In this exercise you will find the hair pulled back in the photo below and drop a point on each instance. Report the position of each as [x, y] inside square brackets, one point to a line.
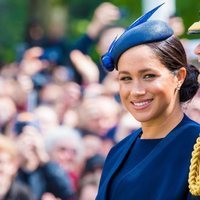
[172, 54]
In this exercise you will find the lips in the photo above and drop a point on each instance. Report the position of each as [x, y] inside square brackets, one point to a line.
[140, 105]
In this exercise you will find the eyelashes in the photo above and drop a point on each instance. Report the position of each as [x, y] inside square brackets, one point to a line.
[145, 77]
[149, 76]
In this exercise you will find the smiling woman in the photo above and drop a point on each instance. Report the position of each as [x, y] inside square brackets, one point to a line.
[148, 89]
[155, 78]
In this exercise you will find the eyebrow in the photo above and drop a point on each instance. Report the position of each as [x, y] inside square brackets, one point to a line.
[140, 71]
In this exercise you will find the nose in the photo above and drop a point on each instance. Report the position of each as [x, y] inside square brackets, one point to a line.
[137, 89]
[197, 50]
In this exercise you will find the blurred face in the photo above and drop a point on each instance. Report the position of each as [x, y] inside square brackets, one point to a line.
[197, 51]
[65, 153]
[99, 119]
[176, 23]
[92, 145]
[8, 168]
[6, 164]
[193, 110]
[7, 110]
[107, 37]
[88, 192]
[147, 87]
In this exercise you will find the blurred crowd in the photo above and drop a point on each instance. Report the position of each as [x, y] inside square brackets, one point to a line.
[60, 113]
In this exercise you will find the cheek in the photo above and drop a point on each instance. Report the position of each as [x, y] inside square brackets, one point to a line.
[158, 86]
[165, 89]
[124, 92]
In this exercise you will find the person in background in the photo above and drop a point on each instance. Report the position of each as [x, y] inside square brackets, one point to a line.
[88, 188]
[91, 71]
[99, 119]
[177, 25]
[93, 167]
[64, 146]
[56, 47]
[8, 112]
[36, 170]
[93, 145]
[195, 29]
[194, 112]
[10, 188]
[47, 118]
[105, 37]
[192, 108]
[154, 80]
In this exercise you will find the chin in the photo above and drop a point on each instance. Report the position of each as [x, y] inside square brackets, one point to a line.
[142, 117]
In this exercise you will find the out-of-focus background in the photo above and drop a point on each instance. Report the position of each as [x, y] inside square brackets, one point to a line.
[73, 16]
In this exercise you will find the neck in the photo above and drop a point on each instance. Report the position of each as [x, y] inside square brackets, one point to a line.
[160, 128]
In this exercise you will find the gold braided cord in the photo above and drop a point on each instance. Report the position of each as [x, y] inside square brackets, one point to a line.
[194, 174]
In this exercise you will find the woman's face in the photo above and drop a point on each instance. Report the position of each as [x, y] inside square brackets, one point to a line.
[147, 87]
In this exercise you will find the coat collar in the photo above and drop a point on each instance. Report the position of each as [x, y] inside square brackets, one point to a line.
[104, 187]
[120, 157]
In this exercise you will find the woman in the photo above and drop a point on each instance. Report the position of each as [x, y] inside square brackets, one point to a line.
[153, 162]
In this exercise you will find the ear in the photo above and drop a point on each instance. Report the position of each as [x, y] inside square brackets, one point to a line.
[181, 74]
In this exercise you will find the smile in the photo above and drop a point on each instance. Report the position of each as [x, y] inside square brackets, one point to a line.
[142, 104]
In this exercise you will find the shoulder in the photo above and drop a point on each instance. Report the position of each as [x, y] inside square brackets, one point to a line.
[57, 180]
[19, 190]
[189, 127]
[191, 122]
[186, 133]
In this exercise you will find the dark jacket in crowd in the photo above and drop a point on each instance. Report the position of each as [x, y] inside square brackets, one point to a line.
[19, 191]
[49, 178]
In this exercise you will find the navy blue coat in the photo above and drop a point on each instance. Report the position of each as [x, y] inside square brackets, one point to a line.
[161, 175]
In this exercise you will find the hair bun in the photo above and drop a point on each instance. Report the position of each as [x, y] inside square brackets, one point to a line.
[190, 85]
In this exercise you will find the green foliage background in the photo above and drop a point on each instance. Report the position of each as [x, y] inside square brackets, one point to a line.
[14, 15]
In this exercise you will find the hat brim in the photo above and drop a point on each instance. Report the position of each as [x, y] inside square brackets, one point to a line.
[194, 32]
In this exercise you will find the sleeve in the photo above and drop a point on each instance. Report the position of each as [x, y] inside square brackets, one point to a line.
[21, 191]
[84, 44]
[58, 182]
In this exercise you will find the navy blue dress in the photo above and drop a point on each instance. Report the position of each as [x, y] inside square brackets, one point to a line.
[158, 174]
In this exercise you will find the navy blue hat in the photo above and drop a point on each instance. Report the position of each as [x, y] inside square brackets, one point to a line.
[139, 32]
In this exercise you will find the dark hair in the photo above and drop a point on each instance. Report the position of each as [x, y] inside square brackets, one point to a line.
[171, 53]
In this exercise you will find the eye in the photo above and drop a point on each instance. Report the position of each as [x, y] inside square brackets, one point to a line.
[125, 78]
[149, 76]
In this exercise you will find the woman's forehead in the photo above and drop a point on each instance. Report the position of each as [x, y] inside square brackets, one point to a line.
[141, 53]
